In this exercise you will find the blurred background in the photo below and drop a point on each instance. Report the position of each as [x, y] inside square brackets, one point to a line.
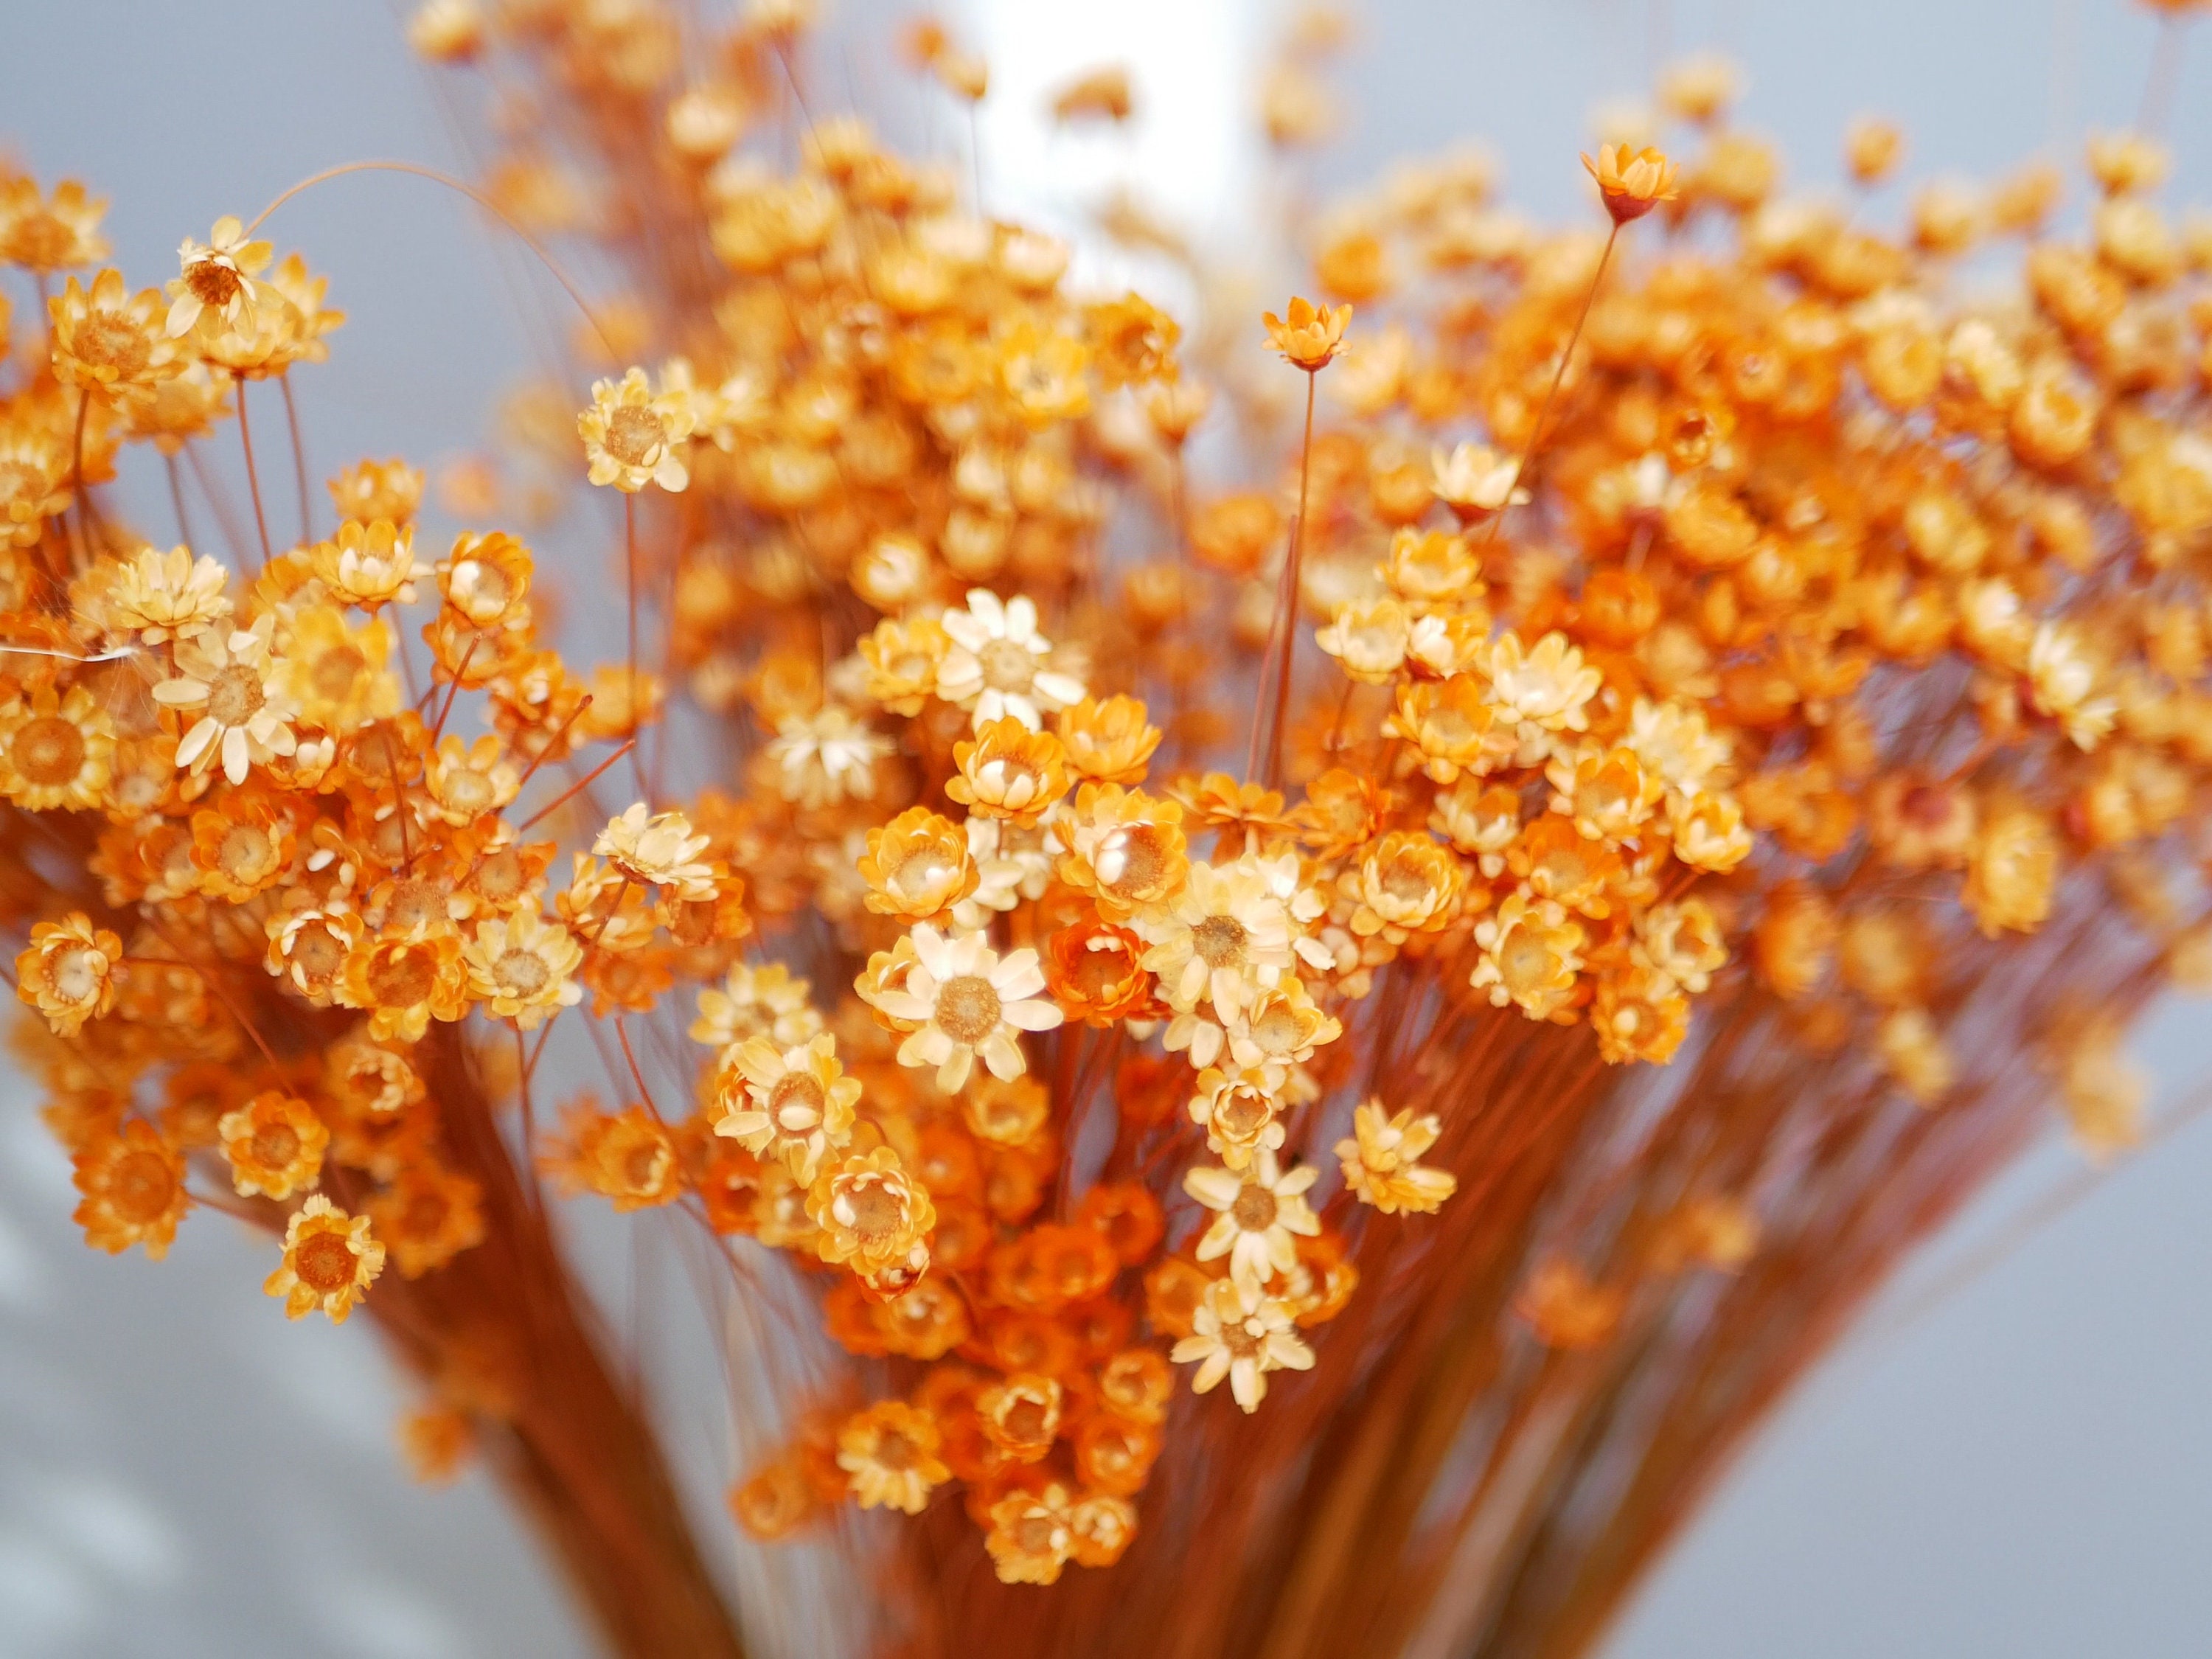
[2012, 1456]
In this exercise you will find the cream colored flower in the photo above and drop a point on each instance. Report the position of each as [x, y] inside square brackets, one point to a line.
[1475, 481]
[217, 284]
[229, 680]
[630, 436]
[998, 664]
[658, 849]
[1240, 1332]
[159, 596]
[1382, 1164]
[1257, 1210]
[523, 967]
[827, 756]
[795, 1104]
[766, 1001]
[1230, 931]
[964, 1001]
[2063, 679]
[370, 565]
[1550, 686]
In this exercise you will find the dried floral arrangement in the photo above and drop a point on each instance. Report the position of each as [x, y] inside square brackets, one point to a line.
[1489, 931]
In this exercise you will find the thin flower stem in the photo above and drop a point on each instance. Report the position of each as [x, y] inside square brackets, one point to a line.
[1282, 636]
[299, 460]
[439, 730]
[252, 477]
[474, 195]
[553, 742]
[644, 1094]
[1558, 376]
[2156, 113]
[177, 501]
[629, 567]
[577, 788]
[77, 474]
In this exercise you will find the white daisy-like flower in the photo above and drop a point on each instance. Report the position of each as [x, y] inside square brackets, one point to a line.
[1257, 1210]
[1239, 1332]
[827, 756]
[998, 663]
[1474, 480]
[1231, 930]
[964, 1001]
[229, 679]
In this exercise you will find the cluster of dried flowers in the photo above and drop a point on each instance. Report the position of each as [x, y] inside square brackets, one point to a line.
[1738, 614]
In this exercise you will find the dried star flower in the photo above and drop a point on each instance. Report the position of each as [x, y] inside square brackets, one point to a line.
[631, 435]
[132, 1185]
[873, 1215]
[1009, 772]
[228, 680]
[795, 1104]
[889, 1453]
[965, 1002]
[219, 287]
[330, 1260]
[1308, 336]
[523, 967]
[111, 343]
[998, 664]
[1632, 182]
[48, 234]
[1257, 1212]
[1031, 1536]
[370, 565]
[1382, 1164]
[917, 866]
[656, 849]
[68, 974]
[274, 1145]
[56, 751]
[1242, 1333]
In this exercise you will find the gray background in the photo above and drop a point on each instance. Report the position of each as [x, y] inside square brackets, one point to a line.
[2024, 1471]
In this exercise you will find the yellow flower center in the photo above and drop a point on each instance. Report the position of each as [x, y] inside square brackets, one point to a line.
[968, 1009]
[1220, 941]
[798, 1103]
[403, 977]
[871, 1209]
[78, 974]
[234, 696]
[634, 436]
[521, 974]
[212, 280]
[106, 340]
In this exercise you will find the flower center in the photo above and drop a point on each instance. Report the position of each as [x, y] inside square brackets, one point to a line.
[520, 973]
[797, 1103]
[212, 280]
[1276, 1031]
[107, 341]
[634, 436]
[1130, 860]
[1254, 1209]
[402, 978]
[316, 955]
[1220, 941]
[1008, 667]
[336, 672]
[470, 791]
[78, 974]
[275, 1146]
[415, 903]
[47, 750]
[325, 1262]
[141, 1187]
[234, 696]
[246, 853]
[922, 870]
[968, 1009]
[894, 1451]
[872, 1209]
